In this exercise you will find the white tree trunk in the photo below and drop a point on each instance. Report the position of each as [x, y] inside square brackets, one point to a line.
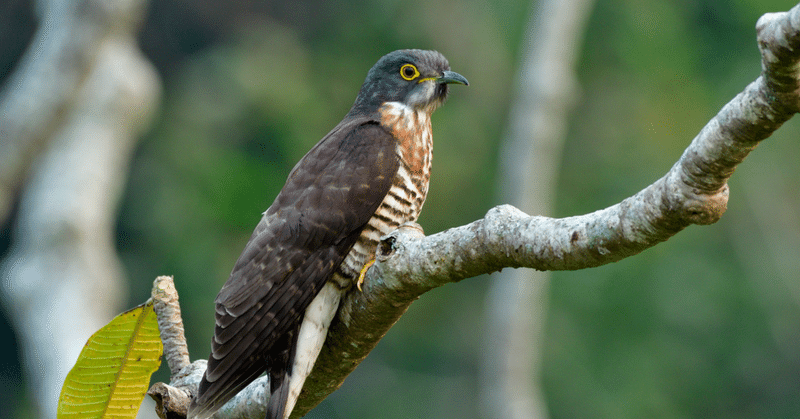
[84, 93]
[516, 308]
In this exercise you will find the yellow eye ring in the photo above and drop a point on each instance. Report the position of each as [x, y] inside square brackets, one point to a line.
[409, 72]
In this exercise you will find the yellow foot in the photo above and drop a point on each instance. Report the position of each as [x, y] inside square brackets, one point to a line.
[363, 273]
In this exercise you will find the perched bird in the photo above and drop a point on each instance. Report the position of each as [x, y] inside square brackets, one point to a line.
[366, 177]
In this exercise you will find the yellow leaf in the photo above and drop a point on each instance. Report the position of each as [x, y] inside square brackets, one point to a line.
[113, 372]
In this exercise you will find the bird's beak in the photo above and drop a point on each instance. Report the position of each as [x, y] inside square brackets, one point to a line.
[449, 77]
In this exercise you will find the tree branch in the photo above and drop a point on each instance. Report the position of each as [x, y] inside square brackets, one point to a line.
[694, 191]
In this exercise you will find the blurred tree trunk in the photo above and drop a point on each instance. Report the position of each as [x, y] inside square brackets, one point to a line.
[70, 117]
[517, 302]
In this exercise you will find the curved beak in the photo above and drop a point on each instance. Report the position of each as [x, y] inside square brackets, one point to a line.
[450, 77]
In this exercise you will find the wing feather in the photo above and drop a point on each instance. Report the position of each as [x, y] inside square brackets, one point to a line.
[302, 238]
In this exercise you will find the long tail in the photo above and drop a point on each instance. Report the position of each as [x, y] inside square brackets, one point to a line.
[280, 376]
[278, 396]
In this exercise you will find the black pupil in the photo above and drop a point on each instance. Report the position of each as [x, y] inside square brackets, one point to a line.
[408, 71]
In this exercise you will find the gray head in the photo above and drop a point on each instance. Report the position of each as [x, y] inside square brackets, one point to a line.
[414, 77]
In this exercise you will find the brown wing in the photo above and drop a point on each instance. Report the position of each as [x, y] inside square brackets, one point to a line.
[302, 238]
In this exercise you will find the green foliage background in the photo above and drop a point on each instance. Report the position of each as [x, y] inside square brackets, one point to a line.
[702, 326]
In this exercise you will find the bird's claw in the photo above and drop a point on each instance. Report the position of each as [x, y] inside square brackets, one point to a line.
[363, 274]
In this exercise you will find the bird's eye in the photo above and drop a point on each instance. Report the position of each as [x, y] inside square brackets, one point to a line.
[409, 72]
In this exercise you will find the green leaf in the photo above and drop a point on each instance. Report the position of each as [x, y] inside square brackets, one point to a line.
[113, 371]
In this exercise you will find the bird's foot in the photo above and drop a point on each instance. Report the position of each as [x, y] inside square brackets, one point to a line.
[363, 273]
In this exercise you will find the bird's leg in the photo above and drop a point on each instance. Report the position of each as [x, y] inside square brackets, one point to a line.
[363, 273]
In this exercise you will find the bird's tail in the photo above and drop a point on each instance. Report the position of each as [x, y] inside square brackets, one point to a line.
[276, 406]
[280, 375]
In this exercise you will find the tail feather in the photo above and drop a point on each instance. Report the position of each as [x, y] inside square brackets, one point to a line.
[280, 375]
[276, 406]
[211, 396]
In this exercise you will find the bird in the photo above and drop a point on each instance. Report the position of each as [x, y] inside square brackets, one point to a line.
[364, 179]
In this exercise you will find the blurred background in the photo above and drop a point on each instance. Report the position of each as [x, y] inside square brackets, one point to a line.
[705, 325]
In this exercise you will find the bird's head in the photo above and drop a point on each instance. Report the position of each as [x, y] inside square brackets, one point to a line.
[416, 78]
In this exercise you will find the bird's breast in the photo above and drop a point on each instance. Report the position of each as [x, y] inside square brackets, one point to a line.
[403, 203]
